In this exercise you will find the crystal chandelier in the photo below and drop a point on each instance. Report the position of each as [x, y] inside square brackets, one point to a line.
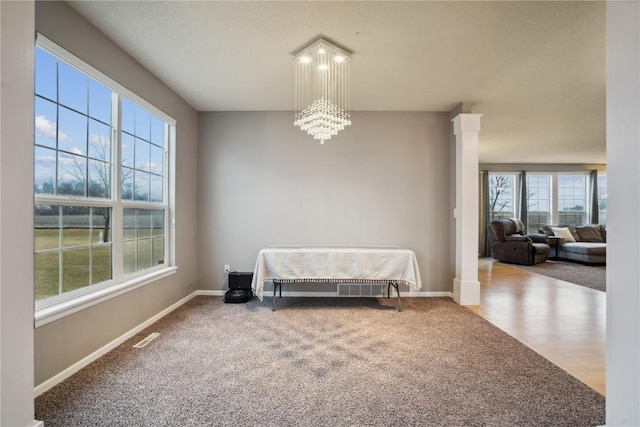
[322, 90]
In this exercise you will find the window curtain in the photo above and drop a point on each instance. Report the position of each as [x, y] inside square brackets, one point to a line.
[593, 184]
[484, 248]
[523, 200]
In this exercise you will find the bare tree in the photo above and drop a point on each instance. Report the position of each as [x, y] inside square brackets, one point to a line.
[93, 177]
[498, 184]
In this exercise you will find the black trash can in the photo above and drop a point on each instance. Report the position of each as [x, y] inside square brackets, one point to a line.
[239, 287]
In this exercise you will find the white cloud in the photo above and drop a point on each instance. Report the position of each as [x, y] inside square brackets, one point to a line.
[46, 128]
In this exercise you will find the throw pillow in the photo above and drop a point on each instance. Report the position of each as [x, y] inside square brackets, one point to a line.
[590, 233]
[564, 233]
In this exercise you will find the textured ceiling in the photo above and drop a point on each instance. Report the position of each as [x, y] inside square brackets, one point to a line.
[535, 70]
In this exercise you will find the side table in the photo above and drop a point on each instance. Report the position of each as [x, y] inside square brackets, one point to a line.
[553, 246]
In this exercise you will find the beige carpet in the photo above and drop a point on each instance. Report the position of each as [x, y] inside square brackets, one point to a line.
[322, 362]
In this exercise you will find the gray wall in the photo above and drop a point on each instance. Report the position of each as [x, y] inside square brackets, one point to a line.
[383, 181]
[60, 344]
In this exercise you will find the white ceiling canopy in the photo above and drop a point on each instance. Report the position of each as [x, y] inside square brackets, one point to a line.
[535, 70]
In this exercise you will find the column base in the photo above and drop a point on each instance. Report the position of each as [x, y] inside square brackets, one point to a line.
[466, 292]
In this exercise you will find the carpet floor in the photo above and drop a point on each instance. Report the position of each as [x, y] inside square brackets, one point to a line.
[322, 362]
[590, 276]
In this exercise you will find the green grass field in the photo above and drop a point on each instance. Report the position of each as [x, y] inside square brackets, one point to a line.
[88, 264]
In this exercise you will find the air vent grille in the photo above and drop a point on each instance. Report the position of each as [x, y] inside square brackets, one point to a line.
[147, 340]
[361, 290]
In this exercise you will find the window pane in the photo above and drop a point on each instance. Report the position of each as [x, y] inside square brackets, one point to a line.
[155, 194]
[72, 88]
[158, 222]
[501, 194]
[158, 250]
[127, 149]
[71, 174]
[145, 254]
[99, 102]
[538, 202]
[99, 179]
[45, 74]
[602, 199]
[144, 223]
[142, 155]
[130, 257]
[75, 226]
[75, 271]
[101, 263]
[127, 184]
[143, 124]
[100, 225]
[141, 186]
[128, 114]
[45, 122]
[72, 131]
[572, 199]
[46, 219]
[129, 224]
[99, 141]
[44, 170]
[47, 275]
[157, 131]
[156, 164]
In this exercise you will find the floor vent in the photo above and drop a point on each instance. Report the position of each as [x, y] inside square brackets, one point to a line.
[361, 290]
[147, 340]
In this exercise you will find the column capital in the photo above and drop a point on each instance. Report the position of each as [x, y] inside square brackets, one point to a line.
[466, 123]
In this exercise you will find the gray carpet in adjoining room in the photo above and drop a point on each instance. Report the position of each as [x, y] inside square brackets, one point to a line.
[590, 276]
[322, 362]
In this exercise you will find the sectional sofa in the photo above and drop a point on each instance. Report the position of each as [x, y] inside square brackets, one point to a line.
[584, 243]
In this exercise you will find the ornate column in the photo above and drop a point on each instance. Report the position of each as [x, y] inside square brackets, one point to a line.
[466, 287]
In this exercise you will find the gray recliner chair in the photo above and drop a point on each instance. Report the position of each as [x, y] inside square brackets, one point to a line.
[509, 243]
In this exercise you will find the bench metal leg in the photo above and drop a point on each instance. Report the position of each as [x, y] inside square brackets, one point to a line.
[276, 284]
[397, 288]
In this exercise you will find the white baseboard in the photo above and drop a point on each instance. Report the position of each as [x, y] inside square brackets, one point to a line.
[36, 423]
[58, 378]
[210, 293]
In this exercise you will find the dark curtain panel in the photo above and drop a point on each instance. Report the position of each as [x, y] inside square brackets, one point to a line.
[485, 250]
[593, 184]
[523, 200]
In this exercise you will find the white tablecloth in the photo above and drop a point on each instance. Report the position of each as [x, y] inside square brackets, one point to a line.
[336, 265]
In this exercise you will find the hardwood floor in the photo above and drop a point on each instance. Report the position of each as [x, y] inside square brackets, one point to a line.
[563, 322]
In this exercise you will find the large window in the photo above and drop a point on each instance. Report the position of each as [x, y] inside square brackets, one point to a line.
[538, 202]
[562, 198]
[101, 182]
[602, 199]
[502, 190]
[572, 199]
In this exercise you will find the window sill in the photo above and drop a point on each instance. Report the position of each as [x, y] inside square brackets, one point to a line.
[58, 311]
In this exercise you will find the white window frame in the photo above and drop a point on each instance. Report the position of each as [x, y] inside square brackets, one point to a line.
[51, 309]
